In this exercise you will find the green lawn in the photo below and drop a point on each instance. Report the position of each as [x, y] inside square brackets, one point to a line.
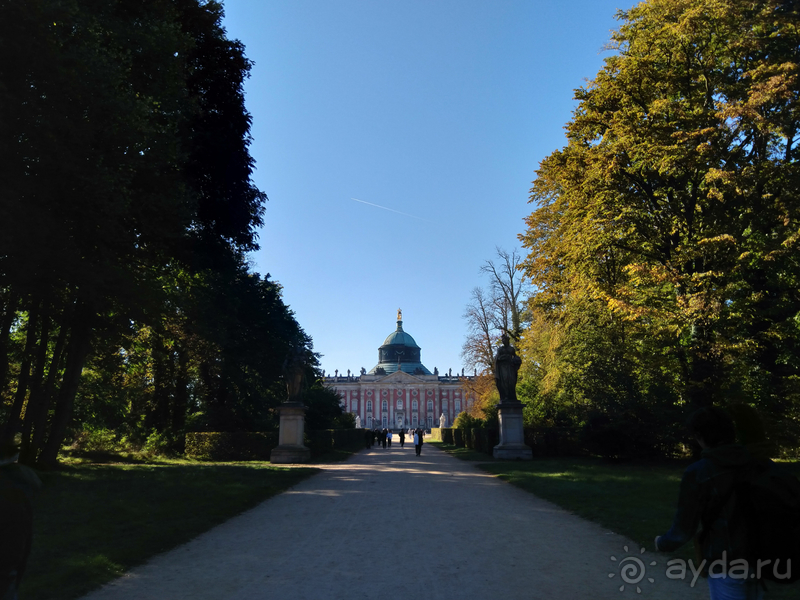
[95, 521]
[635, 499]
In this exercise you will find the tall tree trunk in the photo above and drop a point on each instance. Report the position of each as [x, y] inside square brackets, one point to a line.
[6, 321]
[702, 385]
[13, 421]
[37, 379]
[158, 415]
[39, 421]
[36, 414]
[180, 402]
[77, 351]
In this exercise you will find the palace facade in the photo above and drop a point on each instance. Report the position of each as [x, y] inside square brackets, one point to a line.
[400, 392]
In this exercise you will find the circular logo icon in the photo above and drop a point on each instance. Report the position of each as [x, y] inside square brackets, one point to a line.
[631, 570]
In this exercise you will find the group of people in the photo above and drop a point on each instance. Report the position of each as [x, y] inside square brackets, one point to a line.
[383, 437]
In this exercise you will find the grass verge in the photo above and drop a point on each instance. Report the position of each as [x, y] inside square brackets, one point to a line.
[95, 521]
[635, 499]
[462, 452]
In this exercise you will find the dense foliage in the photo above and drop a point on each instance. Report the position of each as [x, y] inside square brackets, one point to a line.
[126, 300]
[664, 241]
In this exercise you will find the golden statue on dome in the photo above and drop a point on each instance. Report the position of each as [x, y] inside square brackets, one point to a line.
[399, 314]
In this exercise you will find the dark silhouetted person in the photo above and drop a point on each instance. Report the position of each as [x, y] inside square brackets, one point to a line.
[705, 499]
[389, 438]
[402, 435]
[418, 434]
[18, 485]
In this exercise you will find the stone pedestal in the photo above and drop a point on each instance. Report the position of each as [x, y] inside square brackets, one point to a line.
[512, 439]
[290, 440]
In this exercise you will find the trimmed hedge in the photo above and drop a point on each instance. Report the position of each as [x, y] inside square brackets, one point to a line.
[547, 441]
[447, 435]
[326, 440]
[458, 437]
[555, 441]
[483, 440]
[243, 445]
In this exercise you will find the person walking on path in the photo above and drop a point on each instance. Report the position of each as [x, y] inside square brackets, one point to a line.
[368, 438]
[402, 435]
[705, 489]
[418, 441]
[383, 437]
[389, 438]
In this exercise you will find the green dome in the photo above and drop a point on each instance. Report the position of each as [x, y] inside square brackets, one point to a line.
[400, 338]
[400, 352]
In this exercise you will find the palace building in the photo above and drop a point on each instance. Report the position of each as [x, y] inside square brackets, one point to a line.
[400, 392]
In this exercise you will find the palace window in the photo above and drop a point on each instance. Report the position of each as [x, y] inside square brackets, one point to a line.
[384, 406]
[430, 422]
[414, 405]
[369, 406]
[430, 405]
[399, 405]
[458, 406]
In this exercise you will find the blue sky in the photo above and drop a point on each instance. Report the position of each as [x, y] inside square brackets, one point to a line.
[438, 110]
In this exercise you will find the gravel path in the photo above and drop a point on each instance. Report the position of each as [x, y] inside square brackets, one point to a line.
[388, 523]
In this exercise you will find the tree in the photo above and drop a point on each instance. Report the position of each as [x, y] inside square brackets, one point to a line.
[478, 348]
[127, 208]
[672, 211]
[508, 291]
[494, 311]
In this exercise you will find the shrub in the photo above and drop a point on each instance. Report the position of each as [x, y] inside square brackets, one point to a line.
[160, 443]
[464, 421]
[97, 440]
[230, 445]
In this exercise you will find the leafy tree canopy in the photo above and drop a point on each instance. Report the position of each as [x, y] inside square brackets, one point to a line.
[668, 225]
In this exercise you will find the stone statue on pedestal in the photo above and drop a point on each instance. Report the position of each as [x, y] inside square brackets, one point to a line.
[290, 447]
[442, 421]
[506, 365]
[509, 410]
[294, 374]
[358, 422]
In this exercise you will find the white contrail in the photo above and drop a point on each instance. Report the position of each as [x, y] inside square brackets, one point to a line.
[390, 209]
